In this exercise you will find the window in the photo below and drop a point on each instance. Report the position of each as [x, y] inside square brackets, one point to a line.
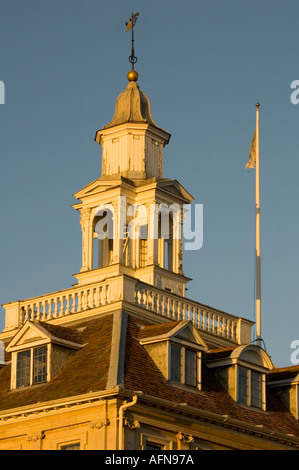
[40, 365]
[31, 367]
[75, 446]
[183, 365]
[175, 362]
[249, 387]
[23, 369]
[142, 246]
[152, 446]
[243, 385]
[256, 389]
[190, 368]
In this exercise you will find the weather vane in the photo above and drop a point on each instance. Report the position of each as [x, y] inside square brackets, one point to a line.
[130, 26]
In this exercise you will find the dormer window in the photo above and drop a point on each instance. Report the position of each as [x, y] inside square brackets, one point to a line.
[176, 348]
[38, 351]
[249, 387]
[31, 367]
[184, 365]
[243, 370]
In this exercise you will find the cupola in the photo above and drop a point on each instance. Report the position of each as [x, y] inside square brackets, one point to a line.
[132, 144]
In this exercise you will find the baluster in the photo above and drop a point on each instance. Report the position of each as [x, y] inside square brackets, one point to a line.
[74, 296]
[33, 313]
[204, 319]
[235, 331]
[79, 308]
[62, 307]
[197, 317]
[209, 320]
[27, 310]
[138, 297]
[155, 301]
[188, 308]
[104, 295]
[67, 307]
[145, 298]
[85, 300]
[179, 310]
[167, 306]
[44, 307]
[97, 297]
[219, 325]
[91, 297]
[201, 318]
[22, 315]
[55, 303]
[214, 323]
[231, 330]
[158, 310]
[151, 300]
[225, 327]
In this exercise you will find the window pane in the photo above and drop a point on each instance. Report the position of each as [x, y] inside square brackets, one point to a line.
[190, 372]
[23, 369]
[242, 385]
[75, 446]
[151, 446]
[40, 365]
[175, 373]
[256, 389]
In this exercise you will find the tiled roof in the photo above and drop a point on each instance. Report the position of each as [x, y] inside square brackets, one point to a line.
[284, 373]
[88, 369]
[156, 330]
[141, 373]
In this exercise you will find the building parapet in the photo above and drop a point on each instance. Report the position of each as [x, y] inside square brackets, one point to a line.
[132, 291]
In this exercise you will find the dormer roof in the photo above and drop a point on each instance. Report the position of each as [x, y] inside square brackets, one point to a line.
[37, 332]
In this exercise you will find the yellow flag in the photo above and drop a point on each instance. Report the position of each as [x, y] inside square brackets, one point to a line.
[252, 155]
[132, 22]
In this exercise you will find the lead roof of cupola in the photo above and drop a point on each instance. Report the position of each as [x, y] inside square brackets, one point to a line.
[132, 105]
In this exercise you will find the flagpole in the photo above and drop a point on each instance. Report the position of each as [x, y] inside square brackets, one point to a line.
[258, 232]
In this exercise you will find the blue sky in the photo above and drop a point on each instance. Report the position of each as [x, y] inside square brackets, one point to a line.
[203, 65]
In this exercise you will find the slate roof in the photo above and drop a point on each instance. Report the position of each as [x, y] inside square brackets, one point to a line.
[141, 373]
[88, 368]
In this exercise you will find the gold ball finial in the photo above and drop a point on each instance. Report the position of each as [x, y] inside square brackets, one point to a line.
[132, 76]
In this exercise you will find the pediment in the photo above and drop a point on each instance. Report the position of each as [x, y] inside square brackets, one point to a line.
[34, 334]
[175, 188]
[97, 186]
[30, 334]
[183, 332]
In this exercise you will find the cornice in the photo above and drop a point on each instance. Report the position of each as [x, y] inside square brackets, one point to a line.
[222, 421]
[64, 404]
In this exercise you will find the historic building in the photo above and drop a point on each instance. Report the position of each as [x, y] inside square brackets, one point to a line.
[123, 360]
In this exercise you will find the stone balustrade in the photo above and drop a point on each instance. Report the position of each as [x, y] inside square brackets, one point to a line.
[180, 308]
[89, 299]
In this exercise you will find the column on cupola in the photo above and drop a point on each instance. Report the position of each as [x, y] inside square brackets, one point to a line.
[119, 224]
[152, 249]
[87, 238]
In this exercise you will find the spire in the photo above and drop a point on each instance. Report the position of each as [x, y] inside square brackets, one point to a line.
[132, 144]
[132, 75]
